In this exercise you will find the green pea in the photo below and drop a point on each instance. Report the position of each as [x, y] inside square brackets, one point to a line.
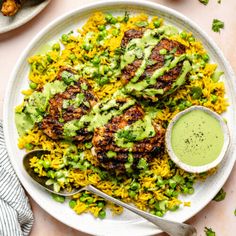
[86, 195]
[29, 146]
[172, 183]
[135, 186]
[33, 85]
[190, 190]
[214, 98]
[72, 57]
[183, 35]
[175, 193]
[160, 182]
[56, 47]
[51, 174]
[159, 213]
[191, 39]
[103, 80]
[157, 23]
[64, 37]
[109, 73]
[86, 164]
[100, 204]
[181, 106]
[152, 212]
[108, 17]
[96, 60]
[151, 201]
[163, 51]
[90, 200]
[169, 192]
[132, 194]
[46, 164]
[49, 59]
[188, 104]
[58, 198]
[205, 57]
[101, 27]
[102, 214]
[72, 203]
[115, 32]
[174, 208]
[40, 162]
[185, 189]
[87, 47]
[82, 198]
[113, 20]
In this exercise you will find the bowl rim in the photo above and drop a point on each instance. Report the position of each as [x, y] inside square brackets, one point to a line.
[202, 168]
[96, 5]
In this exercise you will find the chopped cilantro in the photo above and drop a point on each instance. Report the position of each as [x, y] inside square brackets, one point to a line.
[220, 196]
[205, 2]
[209, 232]
[235, 212]
[126, 17]
[142, 164]
[217, 25]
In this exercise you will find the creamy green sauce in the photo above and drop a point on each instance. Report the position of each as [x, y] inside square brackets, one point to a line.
[197, 138]
[139, 48]
[135, 132]
[36, 106]
[99, 116]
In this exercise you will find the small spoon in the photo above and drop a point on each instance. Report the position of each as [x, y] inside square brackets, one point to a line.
[170, 227]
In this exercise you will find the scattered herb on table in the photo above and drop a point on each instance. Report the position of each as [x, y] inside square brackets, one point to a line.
[205, 2]
[209, 232]
[219, 1]
[220, 196]
[217, 25]
[235, 212]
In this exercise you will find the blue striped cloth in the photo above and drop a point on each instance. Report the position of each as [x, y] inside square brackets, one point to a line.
[16, 218]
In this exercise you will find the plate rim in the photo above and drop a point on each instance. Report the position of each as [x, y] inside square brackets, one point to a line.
[89, 7]
[26, 19]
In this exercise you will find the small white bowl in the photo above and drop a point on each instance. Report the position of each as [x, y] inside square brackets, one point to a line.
[203, 168]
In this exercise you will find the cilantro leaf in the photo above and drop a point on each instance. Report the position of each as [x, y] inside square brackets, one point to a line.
[220, 196]
[217, 25]
[205, 2]
[209, 232]
[235, 212]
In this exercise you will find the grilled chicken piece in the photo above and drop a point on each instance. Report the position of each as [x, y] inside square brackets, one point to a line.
[11, 7]
[104, 140]
[157, 60]
[131, 34]
[72, 104]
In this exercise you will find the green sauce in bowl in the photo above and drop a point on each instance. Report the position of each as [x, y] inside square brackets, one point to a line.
[197, 139]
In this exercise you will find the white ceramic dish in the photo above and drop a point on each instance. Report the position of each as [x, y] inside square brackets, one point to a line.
[127, 223]
[203, 168]
[29, 10]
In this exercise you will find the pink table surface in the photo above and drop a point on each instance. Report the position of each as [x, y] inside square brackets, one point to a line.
[218, 215]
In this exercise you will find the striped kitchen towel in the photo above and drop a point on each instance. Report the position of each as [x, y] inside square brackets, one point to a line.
[16, 218]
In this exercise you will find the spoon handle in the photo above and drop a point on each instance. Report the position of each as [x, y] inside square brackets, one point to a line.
[170, 227]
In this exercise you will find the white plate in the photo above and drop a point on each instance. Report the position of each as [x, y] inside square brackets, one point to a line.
[29, 10]
[127, 223]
